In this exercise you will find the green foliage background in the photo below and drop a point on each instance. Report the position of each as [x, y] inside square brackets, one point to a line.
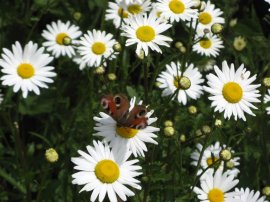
[62, 116]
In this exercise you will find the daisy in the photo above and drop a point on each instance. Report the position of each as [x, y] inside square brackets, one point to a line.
[60, 37]
[188, 84]
[209, 16]
[26, 69]
[267, 99]
[247, 195]
[215, 187]
[176, 10]
[208, 46]
[96, 46]
[145, 31]
[103, 171]
[211, 155]
[130, 138]
[232, 91]
[122, 9]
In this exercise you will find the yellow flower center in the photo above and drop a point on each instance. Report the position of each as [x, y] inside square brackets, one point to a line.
[98, 48]
[232, 92]
[134, 9]
[60, 38]
[107, 171]
[205, 18]
[145, 33]
[25, 70]
[177, 6]
[122, 13]
[182, 82]
[211, 160]
[126, 132]
[216, 195]
[205, 43]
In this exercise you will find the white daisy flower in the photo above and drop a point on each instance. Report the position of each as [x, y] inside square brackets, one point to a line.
[145, 31]
[267, 99]
[211, 155]
[26, 69]
[60, 37]
[121, 9]
[188, 84]
[176, 10]
[247, 195]
[208, 46]
[130, 138]
[103, 171]
[232, 91]
[96, 46]
[209, 16]
[215, 187]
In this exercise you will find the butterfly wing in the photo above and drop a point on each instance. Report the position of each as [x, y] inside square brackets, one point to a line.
[116, 106]
[137, 117]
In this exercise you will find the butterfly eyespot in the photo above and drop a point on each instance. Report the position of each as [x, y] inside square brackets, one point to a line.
[141, 113]
[104, 104]
[117, 101]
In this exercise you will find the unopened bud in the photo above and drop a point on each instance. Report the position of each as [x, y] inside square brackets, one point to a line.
[266, 191]
[169, 131]
[67, 41]
[183, 49]
[117, 47]
[230, 164]
[77, 15]
[225, 155]
[99, 70]
[111, 76]
[218, 123]
[266, 82]
[216, 28]
[192, 110]
[168, 123]
[206, 129]
[178, 44]
[182, 137]
[51, 155]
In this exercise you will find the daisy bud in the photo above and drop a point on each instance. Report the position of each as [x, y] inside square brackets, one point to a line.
[157, 84]
[206, 129]
[239, 43]
[218, 123]
[216, 28]
[140, 55]
[233, 22]
[117, 47]
[225, 155]
[51, 155]
[198, 132]
[168, 123]
[77, 16]
[266, 82]
[203, 5]
[169, 131]
[266, 191]
[99, 70]
[196, 4]
[192, 110]
[67, 41]
[248, 130]
[178, 44]
[182, 83]
[230, 164]
[183, 49]
[182, 137]
[111, 76]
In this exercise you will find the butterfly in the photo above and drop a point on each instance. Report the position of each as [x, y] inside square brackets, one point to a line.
[117, 106]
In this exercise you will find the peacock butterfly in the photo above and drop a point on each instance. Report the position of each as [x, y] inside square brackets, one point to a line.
[118, 107]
